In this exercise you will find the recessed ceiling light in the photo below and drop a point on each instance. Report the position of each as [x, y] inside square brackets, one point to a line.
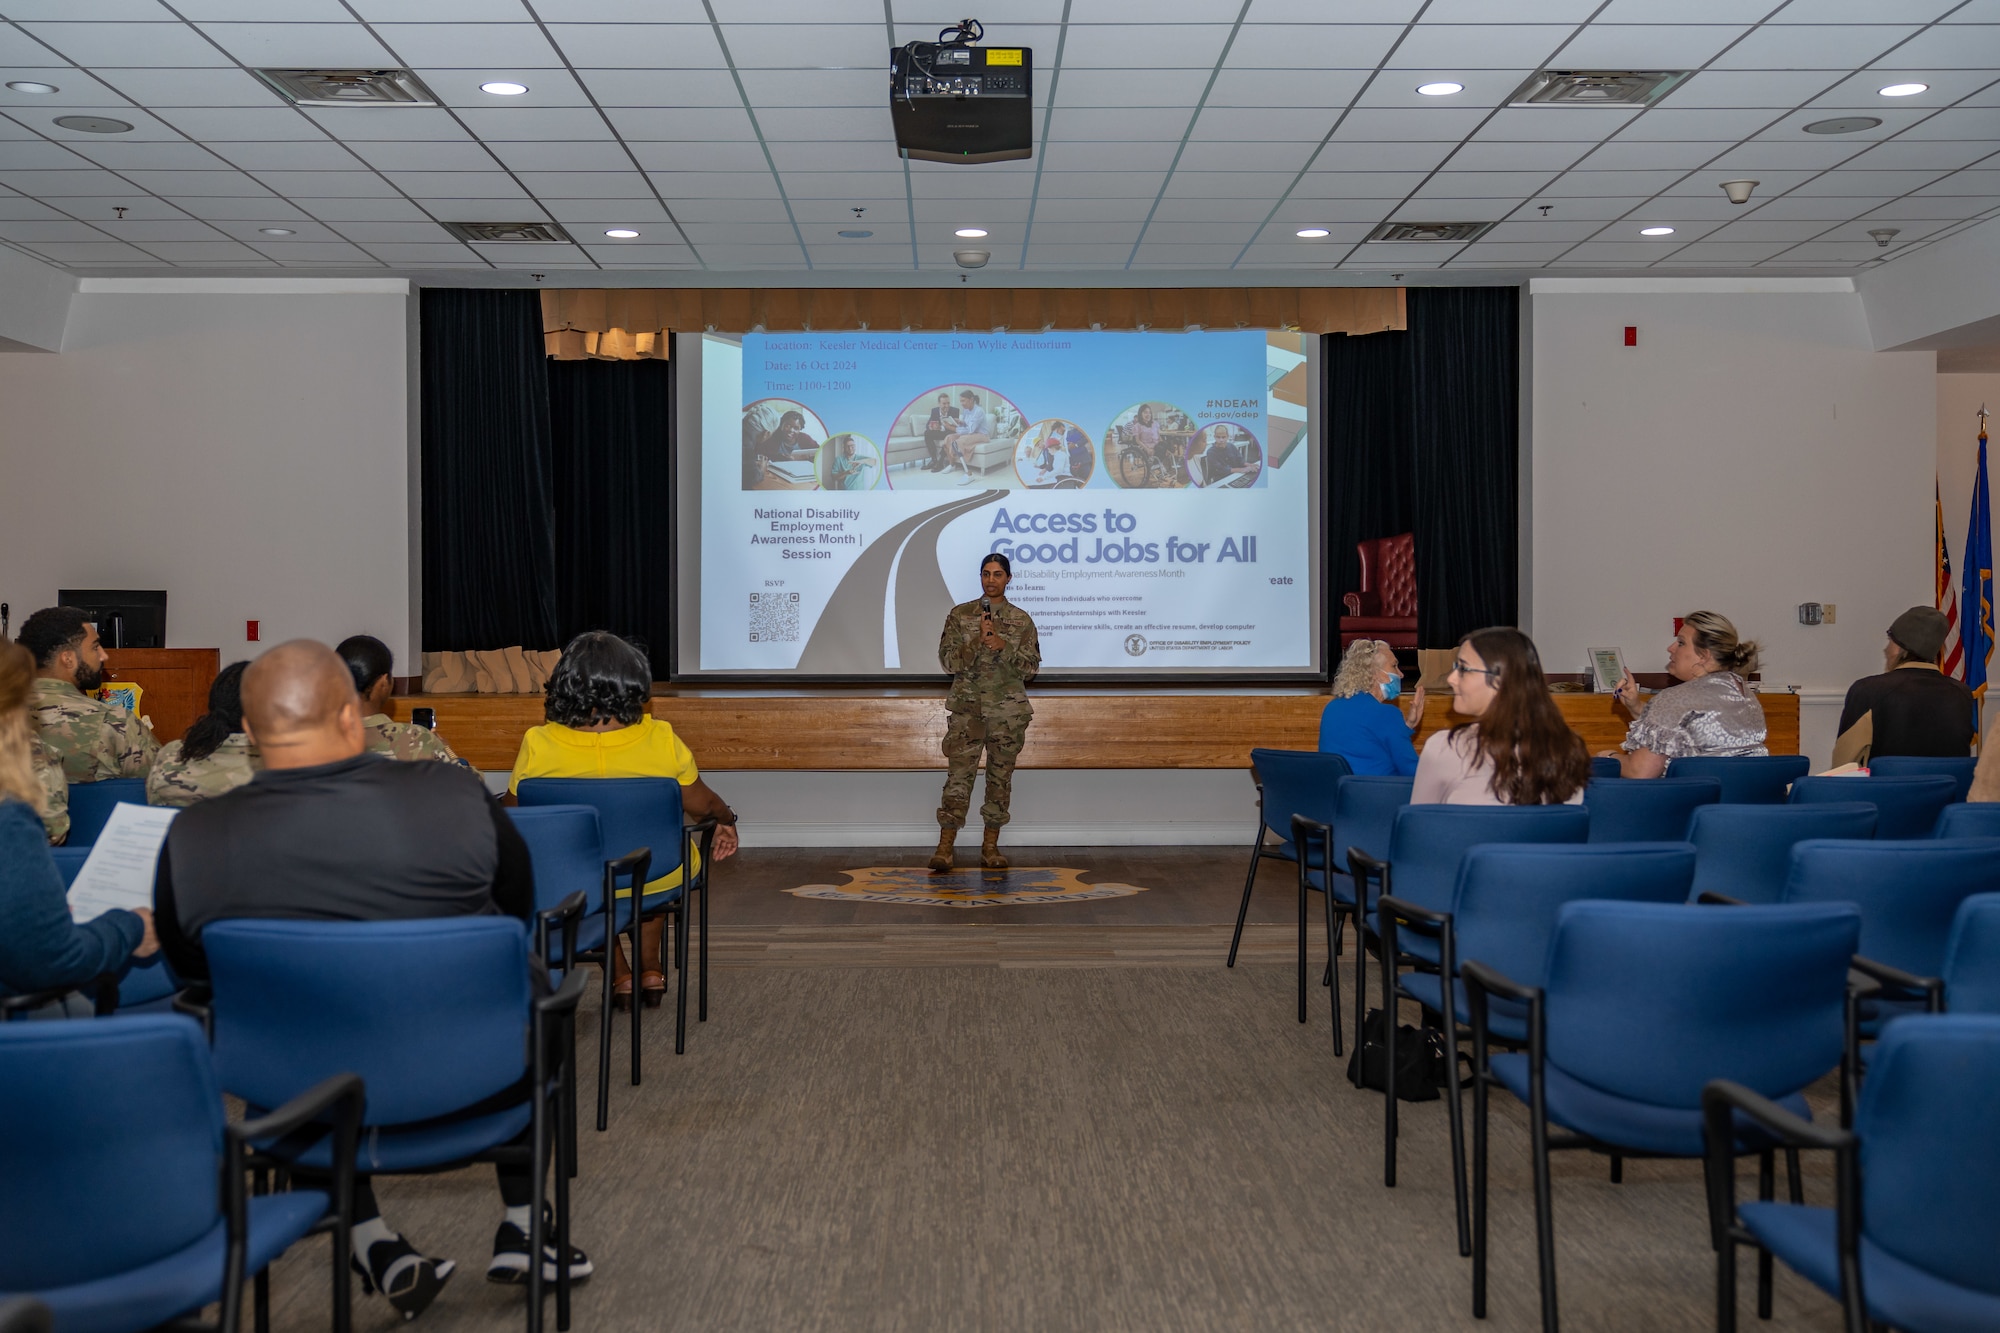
[1313, 233]
[504, 89]
[857, 235]
[970, 233]
[1444, 89]
[1905, 89]
[276, 231]
[621, 233]
[1844, 125]
[30, 86]
[1656, 231]
[94, 124]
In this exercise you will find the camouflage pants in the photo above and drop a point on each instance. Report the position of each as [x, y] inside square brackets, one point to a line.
[1000, 731]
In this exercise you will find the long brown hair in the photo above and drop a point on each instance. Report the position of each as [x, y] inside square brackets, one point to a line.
[17, 734]
[1536, 758]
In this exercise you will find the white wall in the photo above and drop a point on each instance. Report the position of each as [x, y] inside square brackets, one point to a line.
[246, 450]
[1751, 453]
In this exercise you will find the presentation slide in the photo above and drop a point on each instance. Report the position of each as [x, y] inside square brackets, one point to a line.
[1157, 494]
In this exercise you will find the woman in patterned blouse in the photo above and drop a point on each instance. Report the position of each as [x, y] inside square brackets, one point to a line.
[1712, 711]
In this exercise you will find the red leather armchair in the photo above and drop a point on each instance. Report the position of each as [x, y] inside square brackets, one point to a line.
[1386, 606]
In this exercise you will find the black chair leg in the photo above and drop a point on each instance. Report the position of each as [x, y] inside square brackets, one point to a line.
[1302, 942]
[1617, 1169]
[1725, 1286]
[1455, 1112]
[1360, 979]
[604, 1041]
[260, 1286]
[1766, 1191]
[1479, 1095]
[1249, 880]
[1545, 1226]
[565, 1168]
[1389, 1127]
[538, 1165]
[702, 1012]
[638, 968]
[1333, 933]
[1795, 1181]
[681, 965]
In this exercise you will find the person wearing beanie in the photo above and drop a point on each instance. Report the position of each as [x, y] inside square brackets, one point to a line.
[1912, 708]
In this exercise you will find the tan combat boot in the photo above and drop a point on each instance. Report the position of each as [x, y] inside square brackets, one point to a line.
[989, 851]
[941, 858]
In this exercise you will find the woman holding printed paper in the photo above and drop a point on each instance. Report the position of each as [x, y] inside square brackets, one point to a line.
[41, 947]
[1711, 711]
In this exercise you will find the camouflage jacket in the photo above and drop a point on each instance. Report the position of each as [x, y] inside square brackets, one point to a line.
[55, 792]
[180, 781]
[91, 739]
[982, 676]
[404, 741]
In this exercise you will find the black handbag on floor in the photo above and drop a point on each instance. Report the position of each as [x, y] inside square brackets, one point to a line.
[1419, 1060]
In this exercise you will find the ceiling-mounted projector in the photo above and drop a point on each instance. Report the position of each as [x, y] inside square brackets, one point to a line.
[952, 101]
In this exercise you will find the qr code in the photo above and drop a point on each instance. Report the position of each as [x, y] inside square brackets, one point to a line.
[774, 617]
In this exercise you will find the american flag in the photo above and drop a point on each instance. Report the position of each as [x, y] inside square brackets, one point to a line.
[1952, 662]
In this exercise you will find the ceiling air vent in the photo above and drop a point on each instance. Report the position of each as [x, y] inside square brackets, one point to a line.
[509, 233]
[1430, 231]
[349, 87]
[1597, 87]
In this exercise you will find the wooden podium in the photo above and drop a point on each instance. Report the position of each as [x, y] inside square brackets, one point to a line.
[175, 681]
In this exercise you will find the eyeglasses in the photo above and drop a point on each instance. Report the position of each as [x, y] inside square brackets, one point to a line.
[1459, 668]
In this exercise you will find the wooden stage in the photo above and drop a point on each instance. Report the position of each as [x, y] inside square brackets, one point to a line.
[845, 729]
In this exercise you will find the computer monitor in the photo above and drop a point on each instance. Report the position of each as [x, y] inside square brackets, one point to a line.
[125, 618]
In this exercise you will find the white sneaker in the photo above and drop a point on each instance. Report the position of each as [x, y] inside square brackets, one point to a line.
[967, 481]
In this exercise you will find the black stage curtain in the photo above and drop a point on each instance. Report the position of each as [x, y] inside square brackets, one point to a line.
[613, 561]
[1423, 437]
[488, 511]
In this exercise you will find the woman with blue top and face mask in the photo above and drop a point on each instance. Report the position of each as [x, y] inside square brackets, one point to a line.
[1362, 724]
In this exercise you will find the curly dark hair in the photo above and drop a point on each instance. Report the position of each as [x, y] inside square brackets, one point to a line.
[224, 717]
[601, 678]
[53, 629]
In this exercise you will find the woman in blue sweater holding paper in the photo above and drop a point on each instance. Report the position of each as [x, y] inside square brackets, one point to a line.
[1363, 725]
[41, 947]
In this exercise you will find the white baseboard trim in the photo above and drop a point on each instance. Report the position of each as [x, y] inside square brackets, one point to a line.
[757, 833]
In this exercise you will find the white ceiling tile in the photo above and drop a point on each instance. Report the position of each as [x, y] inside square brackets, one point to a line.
[546, 87]
[861, 155]
[87, 251]
[1300, 212]
[1147, 124]
[73, 88]
[375, 123]
[1101, 184]
[1104, 210]
[879, 212]
[349, 210]
[674, 185]
[1486, 184]
[442, 11]
[557, 155]
[145, 233]
[141, 156]
[40, 155]
[1643, 155]
[1415, 253]
[500, 47]
[586, 184]
[1480, 46]
[1149, 47]
[753, 256]
[822, 123]
[1072, 157]
[1286, 233]
[636, 255]
[516, 255]
[661, 88]
[1314, 46]
[17, 48]
[361, 233]
[46, 184]
[741, 233]
[697, 123]
[1229, 156]
[31, 232]
[420, 155]
[1817, 208]
[621, 11]
[433, 184]
[291, 156]
[1596, 183]
[1774, 88]
[1931, 206]
[1794, 152]
[1829, 249]
[1707, 123]
[1708, 184]
[1502, 254]
[1211, 255]
[1243, 184]
[318, 184]
[1957, 123]
[1855, 181]
[1408, 125]
[91, 11]
[1917, 154]
[815, 87]
[643, 46]
[1327, 184]
[131, 44]
[242, 124]
[267, 209]
[697, 156]
[1569, 124]
[144, 127]
[809, 45]
[405, 252]
[1960, 46]
[1342, 156]
[574, 124]
[189, 87]
[1122, 88]
[1829, 46]
[1869, 11]
[608, 213]
[286, 45]
[1566, 231]
[468, 210]
[1095, 233]
[1860, 92]
[854, 186]
[211, 251]
[1637, 46]
[1542, 157]
[1964, 183]
[1636, 252]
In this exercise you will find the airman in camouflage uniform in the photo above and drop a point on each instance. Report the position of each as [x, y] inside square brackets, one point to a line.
[991, 657]
[405, 741]
[91, 739]
[55, 792]
[179, 781]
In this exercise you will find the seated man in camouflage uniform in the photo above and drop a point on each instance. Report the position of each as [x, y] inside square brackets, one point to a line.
[216, 754]
[370, 662]
[992, 651]
[92, 740]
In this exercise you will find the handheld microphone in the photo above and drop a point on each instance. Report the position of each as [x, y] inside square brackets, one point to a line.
[985, 606]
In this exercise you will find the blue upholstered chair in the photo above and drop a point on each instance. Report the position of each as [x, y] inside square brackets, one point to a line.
[90, 806]
[1745, 851]
[1502, 912]
[1911, 1240]
[1646, 810]
[1904, 807]
[1958, 768]
[1757, 779]
[1604, 766]
[1971, 976]
[1644, 1006]
[432, 1014]
[567, 850]
[646, 813]
[1364, 812]
[1974, 819]
[112, 1142]
[1289, 782]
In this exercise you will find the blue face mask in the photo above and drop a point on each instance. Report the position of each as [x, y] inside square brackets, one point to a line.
[1391, 688]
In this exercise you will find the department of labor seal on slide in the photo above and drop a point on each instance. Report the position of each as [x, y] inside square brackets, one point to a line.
[1135, 644]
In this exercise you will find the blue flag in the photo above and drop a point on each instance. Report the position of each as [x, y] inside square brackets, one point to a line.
[1976, 634]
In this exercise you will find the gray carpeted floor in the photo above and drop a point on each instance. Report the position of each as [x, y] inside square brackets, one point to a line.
[1061, 1149]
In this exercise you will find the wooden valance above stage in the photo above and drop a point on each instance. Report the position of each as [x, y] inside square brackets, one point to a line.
[631, 324]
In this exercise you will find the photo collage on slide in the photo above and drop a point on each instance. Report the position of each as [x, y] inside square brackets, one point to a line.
[967, 434]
